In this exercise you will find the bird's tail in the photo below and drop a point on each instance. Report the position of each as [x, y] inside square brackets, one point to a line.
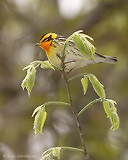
[106, 59]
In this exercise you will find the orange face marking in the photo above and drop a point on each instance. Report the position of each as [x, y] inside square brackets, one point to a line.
[46, 40]
[46, 46]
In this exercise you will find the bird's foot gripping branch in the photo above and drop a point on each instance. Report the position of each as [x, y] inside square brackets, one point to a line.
[80, 40]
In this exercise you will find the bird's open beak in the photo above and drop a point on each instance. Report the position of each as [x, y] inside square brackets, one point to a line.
[37, 44]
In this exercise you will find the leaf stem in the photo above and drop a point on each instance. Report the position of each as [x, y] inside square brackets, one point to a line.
[89, 104]
[72, 148]
[64, 148]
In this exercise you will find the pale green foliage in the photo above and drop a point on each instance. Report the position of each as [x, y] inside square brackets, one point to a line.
[109, 105]
[98, 87]
[41, 115]
[51, 153]
[111, 111]
[34, 64]
[84, 82]
[39, 120]
[81, 42]
[29, 80]
[46, 64]
[49, 103]
[56, 152]
[37, 109]
[84, 46]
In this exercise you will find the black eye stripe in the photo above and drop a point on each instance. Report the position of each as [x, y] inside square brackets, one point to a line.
[42, 36]
[47, 38]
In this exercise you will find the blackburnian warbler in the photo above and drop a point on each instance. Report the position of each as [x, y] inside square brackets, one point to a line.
[53, 45]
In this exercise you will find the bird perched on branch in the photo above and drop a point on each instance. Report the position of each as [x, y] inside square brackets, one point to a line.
[53, 45]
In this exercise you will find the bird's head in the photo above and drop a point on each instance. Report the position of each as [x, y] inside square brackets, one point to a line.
[46, 41]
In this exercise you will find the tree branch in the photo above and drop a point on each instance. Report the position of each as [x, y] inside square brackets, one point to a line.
[76, 116]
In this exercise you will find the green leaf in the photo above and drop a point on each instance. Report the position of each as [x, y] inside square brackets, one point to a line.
[90, 49]
[98, 87]
[71, 36]
[107, 108]
[36, 110]
[51, 153]
[111, 111]
[114, 116]
[49, 103]
[84, 82]
[111, 101]
[46, 64]
[80, 45]
[29, 80]
[84, 46]
[34, 64]
[115, 121]
[56, 152]
[86, 36]
[39, 121]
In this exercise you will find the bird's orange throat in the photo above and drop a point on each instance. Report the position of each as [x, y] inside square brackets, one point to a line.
[46, 46]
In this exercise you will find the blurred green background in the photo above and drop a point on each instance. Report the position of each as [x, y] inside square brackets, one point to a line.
[22, 23]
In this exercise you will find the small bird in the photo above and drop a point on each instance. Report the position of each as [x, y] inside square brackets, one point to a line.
[53, 45]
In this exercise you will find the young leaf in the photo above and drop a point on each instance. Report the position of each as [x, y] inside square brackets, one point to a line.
[39, 121]
[107, 108]
[86, 36]
[84, 46]
[49, 103]
[114, 117]
[36, 110]
[29, 80]
[80, 45]
[84, 82]
[46, 64]
[56, 152]
[115, 121]
[111, 111]
[89, 46]
[71, 36]
[98, 87]
[34, 64]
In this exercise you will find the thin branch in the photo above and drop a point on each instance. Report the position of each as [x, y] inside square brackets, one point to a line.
[73, 110]
[76, 116]
[64, 75]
